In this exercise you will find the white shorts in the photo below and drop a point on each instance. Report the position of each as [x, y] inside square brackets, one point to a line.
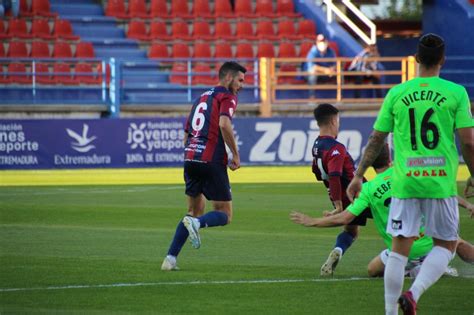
[440, 217]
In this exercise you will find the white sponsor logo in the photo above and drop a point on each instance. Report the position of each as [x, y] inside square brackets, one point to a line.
[83, 142]
[15, 145]
[151, 136]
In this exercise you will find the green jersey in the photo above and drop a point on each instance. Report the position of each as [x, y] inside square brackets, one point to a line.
[422, 114]
[376, 195]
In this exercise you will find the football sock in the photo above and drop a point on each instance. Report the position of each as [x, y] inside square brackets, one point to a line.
[344, 241]
[393, 281]
[431, 270]
[213, 218]
[179, 239]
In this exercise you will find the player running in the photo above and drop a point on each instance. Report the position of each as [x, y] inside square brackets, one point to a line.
[334, 166]
[423, 114]
[208, 129]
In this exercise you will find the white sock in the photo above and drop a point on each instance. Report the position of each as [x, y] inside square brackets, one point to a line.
[432, 269]
[339, 250]
[171, 258]
[393, 281]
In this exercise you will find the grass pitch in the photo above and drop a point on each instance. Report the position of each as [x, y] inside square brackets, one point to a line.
[98, 250]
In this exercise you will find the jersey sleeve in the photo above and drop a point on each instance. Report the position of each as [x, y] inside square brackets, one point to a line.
[384, 121]
[335, 163]
[360, 203]
[463, 115]
[228, 105]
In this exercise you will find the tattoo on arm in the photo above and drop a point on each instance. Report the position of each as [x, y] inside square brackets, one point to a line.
[372, 150]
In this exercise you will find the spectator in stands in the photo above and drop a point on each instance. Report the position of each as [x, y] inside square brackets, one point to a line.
[320, 71]
[232, 5]
[7, 5]
[360, 63]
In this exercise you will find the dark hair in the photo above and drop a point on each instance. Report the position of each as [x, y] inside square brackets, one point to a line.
[232, 67]
[383, 159]
[430, 50]
[324, 112]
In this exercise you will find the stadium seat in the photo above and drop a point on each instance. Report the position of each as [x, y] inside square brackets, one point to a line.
[265, 30]
[286, 30]
[159, 9]
[62, 50]
[222, 9]
[84, 74]
[18, 28]
[244, 50]
[159, 31]
[180, 30]
[202, 74]
[287, 50]
[158, 50]
[40, 50]
[18, 74]
[243, 9]
[202, 50]
[100, 74]
[201, 9]
[223, 30]
[286, 8]
[305, 47]
[265, 50]
[116, 8]
[137, 9]
[3, 31]
[63, 30]
[223, 50]
[43, 75]
[244, 30]
[180, 50]
[42, 8]
[85, 50]
[2, 50]
[179, 74]
[17, 50]
[264, 8]
[333, 45]
[180, 9]
[202, 30]
[62, 74]
[25, 9]
[307, 29]
[137, 30]
[249, 77]
[40, 29]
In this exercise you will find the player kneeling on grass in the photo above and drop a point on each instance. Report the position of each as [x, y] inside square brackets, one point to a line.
[376, 194]
[208, 130]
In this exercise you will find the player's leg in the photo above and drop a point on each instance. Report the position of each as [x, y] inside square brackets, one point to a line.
[343, 241]
[376, 266]
[465, 251]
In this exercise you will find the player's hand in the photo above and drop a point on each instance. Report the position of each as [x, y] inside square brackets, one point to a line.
[300, 218]
[331, 213]
[354, 188]
[469, 185]
[234, 162]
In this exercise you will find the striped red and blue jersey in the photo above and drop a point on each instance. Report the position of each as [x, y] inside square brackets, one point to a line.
[205, 142]
[331, 159]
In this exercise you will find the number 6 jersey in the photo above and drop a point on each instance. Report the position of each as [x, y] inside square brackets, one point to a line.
[205, 142]
[423, 114]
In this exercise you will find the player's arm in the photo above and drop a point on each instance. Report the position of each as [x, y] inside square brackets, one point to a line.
[466, 137]
[227, 131]
[339, 219]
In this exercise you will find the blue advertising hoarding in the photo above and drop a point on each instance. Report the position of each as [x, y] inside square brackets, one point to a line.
[158, 142]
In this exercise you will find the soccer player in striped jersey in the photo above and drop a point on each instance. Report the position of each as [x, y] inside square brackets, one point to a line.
[208, 130]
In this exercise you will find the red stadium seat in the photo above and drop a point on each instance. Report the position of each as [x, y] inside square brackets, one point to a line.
[42, 8]
[334, 47]
[223, 30]
[158, 51]
[62, 50]
[180, 50]
[202, 50]
[202, 30]
[62, 74]
[43, 75]
[265, 30]
[18, 28]
[305, 47]
[223, 50]
[63, 30]
[180, 30]
[287, 50]
[243, 8]
[3, 31]
[2, 50]
[159, 31]
[137, 9]
[179, 73]
[117, 9]
[264, 8]
[85, 74]
[85, 50]
[265, 50]
[222, 9]
[159, 9]
[202, 74]
[25, 9]
[201, 9]
[180, 9]
[244, 50]
[249, 75]
[307, 29]
[18, 74]
[286, 30]
[40, 50]
[244, 30]
[286, 8]
[40, 29]
[17, 50]
[137, 30]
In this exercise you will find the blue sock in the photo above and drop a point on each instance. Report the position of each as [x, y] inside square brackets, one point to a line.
[344, 241]
[179, 239]
[213, 218]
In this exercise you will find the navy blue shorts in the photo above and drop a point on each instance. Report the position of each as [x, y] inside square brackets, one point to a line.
[361, 219]
[210, 179]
